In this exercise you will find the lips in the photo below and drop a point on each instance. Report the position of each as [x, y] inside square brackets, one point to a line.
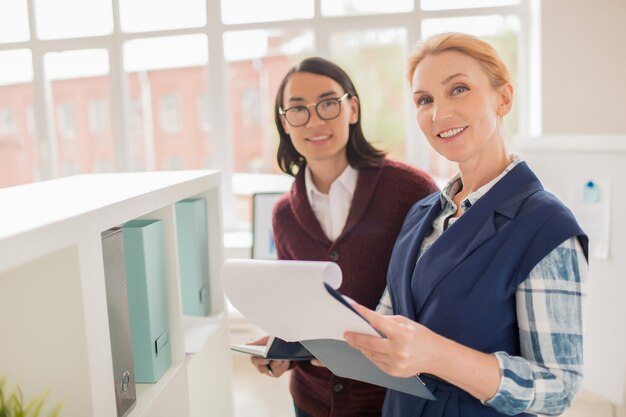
[318, 138]
[450, 133]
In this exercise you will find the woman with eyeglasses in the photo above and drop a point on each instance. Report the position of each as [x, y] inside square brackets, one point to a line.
[347, 205]
[485, 278]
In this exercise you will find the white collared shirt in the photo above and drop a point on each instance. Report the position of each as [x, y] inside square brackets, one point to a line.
[332, 209]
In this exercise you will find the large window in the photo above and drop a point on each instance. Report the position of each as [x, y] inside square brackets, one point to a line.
[257, 61]
[381, 87]
[122, 85]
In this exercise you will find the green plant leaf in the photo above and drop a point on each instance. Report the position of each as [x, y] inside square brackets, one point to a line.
[13, 405]
[57, 411]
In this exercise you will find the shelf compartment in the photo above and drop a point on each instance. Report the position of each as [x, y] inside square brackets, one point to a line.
[198, 331]
[165, 398]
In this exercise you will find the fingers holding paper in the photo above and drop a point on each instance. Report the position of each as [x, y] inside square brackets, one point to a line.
[407, 349]
[273, 368]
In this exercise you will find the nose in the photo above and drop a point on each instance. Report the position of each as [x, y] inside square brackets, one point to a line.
[314, 118]
[441, 111]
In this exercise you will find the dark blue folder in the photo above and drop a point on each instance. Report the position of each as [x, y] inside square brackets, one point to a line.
[277, 349]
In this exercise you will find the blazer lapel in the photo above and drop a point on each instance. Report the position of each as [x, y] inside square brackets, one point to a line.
[471, 231]
[406, 250]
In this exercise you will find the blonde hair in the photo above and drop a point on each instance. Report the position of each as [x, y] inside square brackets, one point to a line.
[481, 51]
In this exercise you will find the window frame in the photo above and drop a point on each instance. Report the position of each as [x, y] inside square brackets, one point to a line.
[219, 118]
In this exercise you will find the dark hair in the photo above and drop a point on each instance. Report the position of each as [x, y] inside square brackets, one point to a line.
[359, 152]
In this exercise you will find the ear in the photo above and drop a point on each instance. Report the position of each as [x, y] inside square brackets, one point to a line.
[505, 100]
[354, 110]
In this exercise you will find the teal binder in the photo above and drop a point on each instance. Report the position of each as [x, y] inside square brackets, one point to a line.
[193, 252]
[144, 251]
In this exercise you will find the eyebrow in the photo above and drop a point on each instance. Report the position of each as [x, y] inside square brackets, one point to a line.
[444, 82]
[321, 96]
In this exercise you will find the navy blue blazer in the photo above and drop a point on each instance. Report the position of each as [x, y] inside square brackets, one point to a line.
[463, 287]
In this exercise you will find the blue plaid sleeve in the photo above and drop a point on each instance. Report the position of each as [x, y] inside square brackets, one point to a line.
[549, 373]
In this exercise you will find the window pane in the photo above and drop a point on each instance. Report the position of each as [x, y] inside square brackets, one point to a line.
[13, 21]
[169, 114]
[481, 26]
[76, 64]
[164, 90]
[248, 11]
[257, 62]
[19, 149]
[16, 67]
[363, 7]
[98, 116]
[502, 32]
[147, 15]
[203, 108]
[381, 87]
[463, 4]
[80, 114]
[73, 18]
[182, 51]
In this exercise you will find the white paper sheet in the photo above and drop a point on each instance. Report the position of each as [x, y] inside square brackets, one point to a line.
[288, 299]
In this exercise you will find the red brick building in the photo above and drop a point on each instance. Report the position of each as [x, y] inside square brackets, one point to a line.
[168, 122]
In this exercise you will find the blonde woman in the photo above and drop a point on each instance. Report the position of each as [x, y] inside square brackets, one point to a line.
[484, 279]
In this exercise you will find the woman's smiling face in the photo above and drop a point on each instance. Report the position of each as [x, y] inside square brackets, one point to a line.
[458, 109]
[319, 139]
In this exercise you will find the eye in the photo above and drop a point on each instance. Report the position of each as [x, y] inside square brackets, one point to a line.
[459, 90]
[298, 109]
[424, 100]
[328, 103]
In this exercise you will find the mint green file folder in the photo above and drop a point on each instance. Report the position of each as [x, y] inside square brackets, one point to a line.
[146, 277]
[193, 252]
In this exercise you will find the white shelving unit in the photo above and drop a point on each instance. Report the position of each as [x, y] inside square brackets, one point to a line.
[54, 332]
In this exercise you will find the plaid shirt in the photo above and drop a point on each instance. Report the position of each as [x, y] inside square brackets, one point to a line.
[549, 373]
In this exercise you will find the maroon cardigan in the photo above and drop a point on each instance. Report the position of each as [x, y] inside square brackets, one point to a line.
[382, 198]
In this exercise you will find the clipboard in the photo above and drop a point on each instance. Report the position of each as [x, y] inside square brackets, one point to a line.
[347, 362]
[308, 308]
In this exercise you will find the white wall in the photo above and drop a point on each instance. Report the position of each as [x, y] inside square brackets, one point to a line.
[602, 159]
[583, 66]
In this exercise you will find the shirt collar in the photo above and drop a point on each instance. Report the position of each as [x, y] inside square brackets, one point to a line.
[455, 184]
[348, 179]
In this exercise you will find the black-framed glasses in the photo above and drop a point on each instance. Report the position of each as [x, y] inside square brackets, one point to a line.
[327, 109]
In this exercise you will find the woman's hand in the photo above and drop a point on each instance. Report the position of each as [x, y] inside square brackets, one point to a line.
[408, 349]
[268, 367]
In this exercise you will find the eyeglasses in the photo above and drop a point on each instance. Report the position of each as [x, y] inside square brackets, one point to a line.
[326, 109]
